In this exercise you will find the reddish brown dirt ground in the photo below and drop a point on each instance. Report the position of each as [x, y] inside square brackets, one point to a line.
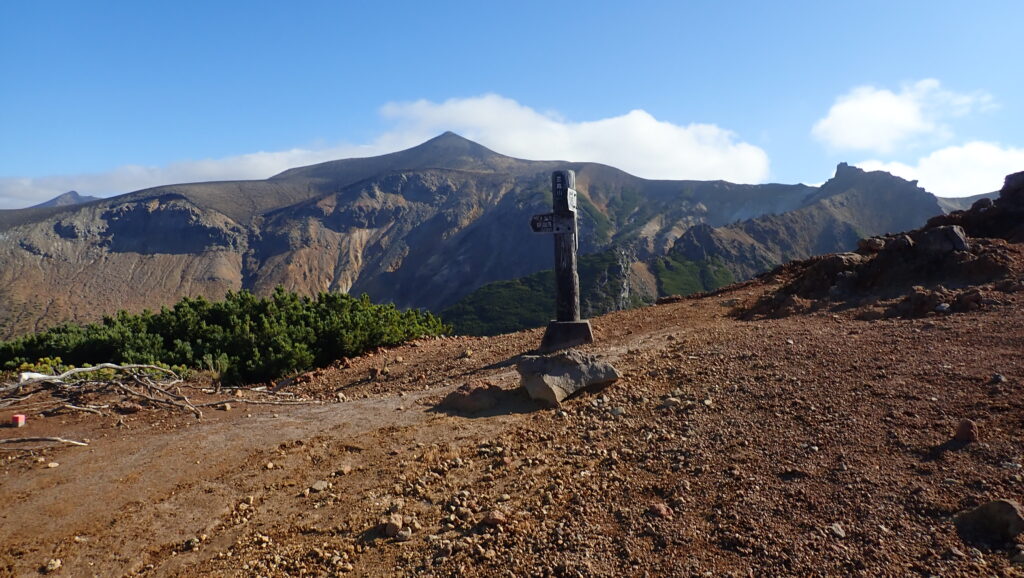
[811, 445]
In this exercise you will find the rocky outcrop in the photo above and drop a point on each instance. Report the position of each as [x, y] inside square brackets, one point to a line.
[944, 267]
[1002, 218]
[852, 204]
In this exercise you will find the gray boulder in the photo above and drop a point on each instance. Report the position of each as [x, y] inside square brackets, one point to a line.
[941, 239]
[552, 378]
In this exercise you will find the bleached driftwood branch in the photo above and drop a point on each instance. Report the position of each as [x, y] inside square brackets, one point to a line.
[37, 439]
[28, 378]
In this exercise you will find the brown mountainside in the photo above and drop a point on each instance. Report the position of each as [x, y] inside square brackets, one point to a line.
[421, 228]
[852, 205]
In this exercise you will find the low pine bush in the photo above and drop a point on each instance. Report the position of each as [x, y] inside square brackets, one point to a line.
[244, 338]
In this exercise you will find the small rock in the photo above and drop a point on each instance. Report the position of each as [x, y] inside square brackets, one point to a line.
[404, 535]
[269, 466]
[320, 486]
[494, 518]
[871, 244]
[52, 465]
[126, 407]
[670, 402]
[837, 530]
[994, 522]
[942, 308]
[997, 378]
[344, 470]
[1017, 557]
[966, 432]
[393, 525]
[660, 510]
[53, 565]
[224, 407]
[618, 411]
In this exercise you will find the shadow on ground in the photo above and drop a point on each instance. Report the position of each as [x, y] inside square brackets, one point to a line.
[481, 400]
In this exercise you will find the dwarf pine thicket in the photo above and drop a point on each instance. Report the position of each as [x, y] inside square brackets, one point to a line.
[244, 338]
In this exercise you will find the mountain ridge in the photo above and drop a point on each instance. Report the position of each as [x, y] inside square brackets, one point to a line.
[421, 228]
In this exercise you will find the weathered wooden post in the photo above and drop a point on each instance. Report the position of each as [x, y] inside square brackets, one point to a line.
[567, 329]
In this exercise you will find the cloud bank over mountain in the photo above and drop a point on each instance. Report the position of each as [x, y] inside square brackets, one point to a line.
[636, 142]
[909, 131]
[911, 134]
[882, 121]
[972, 168]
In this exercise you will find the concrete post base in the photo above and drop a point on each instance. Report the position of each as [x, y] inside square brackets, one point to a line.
[566, 334]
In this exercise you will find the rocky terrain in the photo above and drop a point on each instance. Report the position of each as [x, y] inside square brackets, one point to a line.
[771, 428]
[421, 228]
[845, 209]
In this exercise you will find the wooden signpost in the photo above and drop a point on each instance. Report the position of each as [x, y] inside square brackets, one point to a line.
[567, 329]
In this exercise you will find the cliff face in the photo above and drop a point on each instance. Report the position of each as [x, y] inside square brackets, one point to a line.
[420, 228]
[852, 205]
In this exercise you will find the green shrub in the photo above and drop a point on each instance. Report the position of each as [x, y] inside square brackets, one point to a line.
[243, 338]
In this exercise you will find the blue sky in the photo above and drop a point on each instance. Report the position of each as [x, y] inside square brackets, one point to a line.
[106, 97]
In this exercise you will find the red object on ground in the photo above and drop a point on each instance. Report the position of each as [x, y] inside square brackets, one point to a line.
[18, 420]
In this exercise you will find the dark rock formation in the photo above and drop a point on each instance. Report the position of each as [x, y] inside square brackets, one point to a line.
[931, 270]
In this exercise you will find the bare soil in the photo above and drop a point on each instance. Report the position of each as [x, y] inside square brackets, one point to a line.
[815, 444]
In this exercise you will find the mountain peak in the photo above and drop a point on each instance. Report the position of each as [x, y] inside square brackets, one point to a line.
[445, 151]
[847, 175]
[449, 147]
[66, 199]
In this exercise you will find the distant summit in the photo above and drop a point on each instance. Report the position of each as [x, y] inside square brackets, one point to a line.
[67, 199]
[447, 151]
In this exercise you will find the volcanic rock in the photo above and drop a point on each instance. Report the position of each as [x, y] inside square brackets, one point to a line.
[552, 378]
[993, 522]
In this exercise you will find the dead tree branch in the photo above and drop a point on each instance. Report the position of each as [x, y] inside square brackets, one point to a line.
[114, 366]
[37, 439]
[182, 405]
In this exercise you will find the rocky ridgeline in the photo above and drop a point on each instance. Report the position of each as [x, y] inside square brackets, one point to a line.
[1002, 218]
[956, 263]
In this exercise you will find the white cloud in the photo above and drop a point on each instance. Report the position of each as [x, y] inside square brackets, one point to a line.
[958, 171]
[635, 142]
[879, 120]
